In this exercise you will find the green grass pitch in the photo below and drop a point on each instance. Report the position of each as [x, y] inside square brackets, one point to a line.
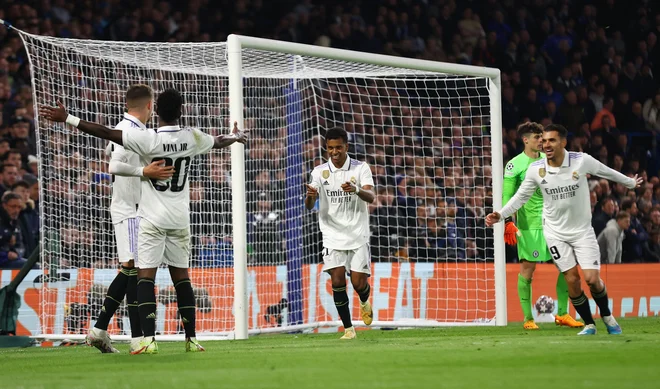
[461, 357]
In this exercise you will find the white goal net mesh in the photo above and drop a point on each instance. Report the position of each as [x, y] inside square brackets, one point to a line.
[425, 136]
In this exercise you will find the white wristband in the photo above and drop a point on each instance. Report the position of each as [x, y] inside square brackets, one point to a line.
[357, 189]
[72, 120]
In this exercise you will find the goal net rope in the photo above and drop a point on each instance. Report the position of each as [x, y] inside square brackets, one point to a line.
[425, 135]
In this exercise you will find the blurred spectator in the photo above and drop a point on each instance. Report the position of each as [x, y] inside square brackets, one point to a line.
[603, 215]
[12, 247]
[652, 247]
[265, 232]
[28, 220]
[651, 113]
[610, 239]
[635, 234]
[387, 226]
[8, 177]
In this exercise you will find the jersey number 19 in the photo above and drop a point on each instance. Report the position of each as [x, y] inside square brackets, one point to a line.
[176, 184]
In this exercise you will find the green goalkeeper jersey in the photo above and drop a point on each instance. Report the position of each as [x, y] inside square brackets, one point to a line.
[530, 216]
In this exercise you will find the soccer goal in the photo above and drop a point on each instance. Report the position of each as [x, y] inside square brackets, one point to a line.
[431, 132]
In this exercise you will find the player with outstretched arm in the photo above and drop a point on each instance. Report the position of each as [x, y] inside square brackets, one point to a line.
[343, 187]
[127, 172]
[164, 230]
[562, 179]
[527, 230]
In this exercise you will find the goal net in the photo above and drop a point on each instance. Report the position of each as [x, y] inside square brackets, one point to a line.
[425, 133]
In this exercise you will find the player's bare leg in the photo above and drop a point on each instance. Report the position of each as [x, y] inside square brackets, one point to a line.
[147, 310]
[98, 336]
[338, 279]
[185, 298]
[361, 285]
[525, 292]
[580, 301]
[599, 294]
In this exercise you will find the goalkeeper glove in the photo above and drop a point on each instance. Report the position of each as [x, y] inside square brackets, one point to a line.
[511, 233]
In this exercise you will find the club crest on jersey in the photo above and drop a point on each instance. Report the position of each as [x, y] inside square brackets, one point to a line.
[576, 176]
[542, 172]
[325, 174]
[509, 166]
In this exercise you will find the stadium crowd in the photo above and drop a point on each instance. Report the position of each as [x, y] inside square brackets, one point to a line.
[588, 65]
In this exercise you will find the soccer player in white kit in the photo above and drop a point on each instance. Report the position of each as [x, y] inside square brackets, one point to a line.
[164, 229]
[562, 179]
[127, 171]
[344, 186]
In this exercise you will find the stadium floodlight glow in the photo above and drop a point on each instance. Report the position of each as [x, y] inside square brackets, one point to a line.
[254, 244]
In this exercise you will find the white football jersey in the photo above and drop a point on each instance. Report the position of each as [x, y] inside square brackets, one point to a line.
[125, 190]
[166, 204]
[565, 190]
[343, 216]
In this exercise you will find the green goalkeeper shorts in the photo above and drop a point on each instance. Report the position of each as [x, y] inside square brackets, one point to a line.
[532, 246]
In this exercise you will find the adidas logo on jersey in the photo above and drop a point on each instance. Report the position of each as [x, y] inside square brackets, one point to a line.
[544, 182]
[326, 183]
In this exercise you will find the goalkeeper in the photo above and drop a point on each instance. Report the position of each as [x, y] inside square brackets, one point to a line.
[529, 232]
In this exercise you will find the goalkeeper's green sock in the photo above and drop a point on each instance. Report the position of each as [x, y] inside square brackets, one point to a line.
[562, 295]
[525, 296]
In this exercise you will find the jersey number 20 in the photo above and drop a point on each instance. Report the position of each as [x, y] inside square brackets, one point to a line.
[176, 184]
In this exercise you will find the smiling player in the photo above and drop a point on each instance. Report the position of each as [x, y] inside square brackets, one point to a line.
[562, 178]
[344, 186]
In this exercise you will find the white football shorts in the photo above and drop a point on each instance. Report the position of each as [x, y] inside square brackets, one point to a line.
[357, 260]
[159, 246]
[126, 237]
[583, 251]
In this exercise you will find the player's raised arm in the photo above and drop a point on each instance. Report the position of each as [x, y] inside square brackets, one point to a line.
[236, 135]
[599, 169]
[59, 115]
[523, 194]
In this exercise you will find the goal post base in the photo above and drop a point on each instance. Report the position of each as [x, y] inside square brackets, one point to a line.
[302, 328]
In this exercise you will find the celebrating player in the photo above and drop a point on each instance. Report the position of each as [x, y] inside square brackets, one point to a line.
[531, 243]
[125, 165]
[164, 230]
[344, 187]
[561, 177]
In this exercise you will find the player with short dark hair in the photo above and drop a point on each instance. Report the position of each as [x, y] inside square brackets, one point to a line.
[344, 186]
[562, 178]
[127, 171]
[164, 229]
[527, 230]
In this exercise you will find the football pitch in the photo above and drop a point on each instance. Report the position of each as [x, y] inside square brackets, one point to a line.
[460, 357]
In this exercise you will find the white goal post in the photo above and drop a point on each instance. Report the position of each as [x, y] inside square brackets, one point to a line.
[431, 132]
